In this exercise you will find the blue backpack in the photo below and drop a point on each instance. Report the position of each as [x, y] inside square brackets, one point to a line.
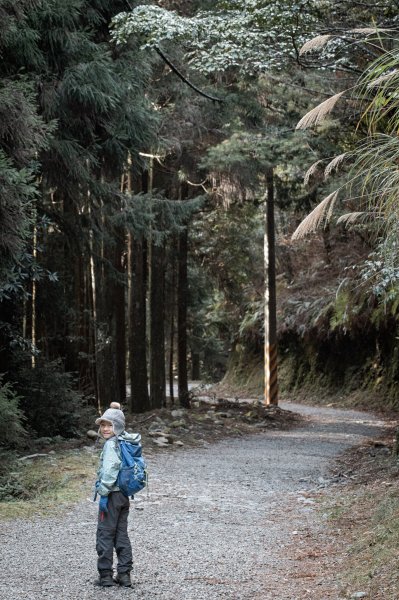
[133, 476]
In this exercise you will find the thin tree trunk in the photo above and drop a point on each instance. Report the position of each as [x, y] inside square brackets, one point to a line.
[195, 366]
[139, 398]
[182, 290]
[81, 333]
[106, 326]
[120, 315]
[87, 371]
[34, 292]
[91, 320]
[137, 314]
[270, 343]
[157, 327]
[93, 289]
[156, 261]
[172, 326]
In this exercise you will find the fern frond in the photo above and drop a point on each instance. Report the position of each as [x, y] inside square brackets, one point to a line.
[315, 43]
[317, 114]
[334, 164]
[322, 213]
[313, 169]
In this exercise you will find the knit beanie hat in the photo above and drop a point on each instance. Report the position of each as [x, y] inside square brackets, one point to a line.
[115, 416]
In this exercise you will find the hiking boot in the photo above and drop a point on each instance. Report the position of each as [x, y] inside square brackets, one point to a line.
[123, 579]
[105, 579]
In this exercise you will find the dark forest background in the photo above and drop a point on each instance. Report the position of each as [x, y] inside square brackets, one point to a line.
[132, 203]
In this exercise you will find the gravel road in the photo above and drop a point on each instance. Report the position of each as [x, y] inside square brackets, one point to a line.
[231, 520]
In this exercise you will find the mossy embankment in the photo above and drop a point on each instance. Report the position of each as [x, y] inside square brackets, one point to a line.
[349, 370]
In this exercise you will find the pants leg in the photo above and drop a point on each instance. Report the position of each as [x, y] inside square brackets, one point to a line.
[112, 533]
[123, 546]
[106, 528]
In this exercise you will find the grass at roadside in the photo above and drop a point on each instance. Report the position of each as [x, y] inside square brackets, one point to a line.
[367, 515]
[46, 485]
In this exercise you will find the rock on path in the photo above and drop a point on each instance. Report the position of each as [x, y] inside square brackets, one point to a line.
[232, 520]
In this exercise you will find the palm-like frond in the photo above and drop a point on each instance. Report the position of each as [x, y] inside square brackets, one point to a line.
[383, 79]
[369, 30]
[313, 170]
[321, 214]
[317, 114]
[321, 40]
[315, 43]
[334, 164]
[355, 217]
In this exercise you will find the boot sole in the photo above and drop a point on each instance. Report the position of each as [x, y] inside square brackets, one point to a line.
[99, 584]
[126, 585]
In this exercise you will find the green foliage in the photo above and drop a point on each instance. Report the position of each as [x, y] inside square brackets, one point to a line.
[18, 192]
[50, 403]
[154, 214]
[252, 37]
[22, 135]
[11, 417]
[69, 127]
[226, 272]
[381, 275]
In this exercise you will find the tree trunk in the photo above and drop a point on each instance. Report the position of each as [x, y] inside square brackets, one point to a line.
[87, 370]
[157, 332]
[107, 306]
[94, 309]
[120, 315]
[182, 289]
[104, 300]
[195, 366]
[34, 295]
[270, 343]
[139, 399]
[172, 324]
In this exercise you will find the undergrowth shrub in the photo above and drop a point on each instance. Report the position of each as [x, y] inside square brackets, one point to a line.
[23, 481]
[13, 433]
[50, 404]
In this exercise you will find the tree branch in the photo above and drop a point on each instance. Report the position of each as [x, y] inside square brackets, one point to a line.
[179, 74]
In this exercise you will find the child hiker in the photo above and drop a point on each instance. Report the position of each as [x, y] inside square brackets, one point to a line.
[114, 505]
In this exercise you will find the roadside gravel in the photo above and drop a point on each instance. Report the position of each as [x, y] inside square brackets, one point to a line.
[235, 520]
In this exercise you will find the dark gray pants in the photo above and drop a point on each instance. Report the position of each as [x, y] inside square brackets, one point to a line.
[112, 533]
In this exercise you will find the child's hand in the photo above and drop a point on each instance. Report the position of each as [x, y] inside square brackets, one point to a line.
[103, 504]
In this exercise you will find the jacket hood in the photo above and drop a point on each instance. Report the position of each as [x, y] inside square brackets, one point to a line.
[133, 438]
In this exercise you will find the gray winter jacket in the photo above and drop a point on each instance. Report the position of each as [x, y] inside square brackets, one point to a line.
[110, 462]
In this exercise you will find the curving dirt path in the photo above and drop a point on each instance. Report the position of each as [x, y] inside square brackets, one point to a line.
[233, 520]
